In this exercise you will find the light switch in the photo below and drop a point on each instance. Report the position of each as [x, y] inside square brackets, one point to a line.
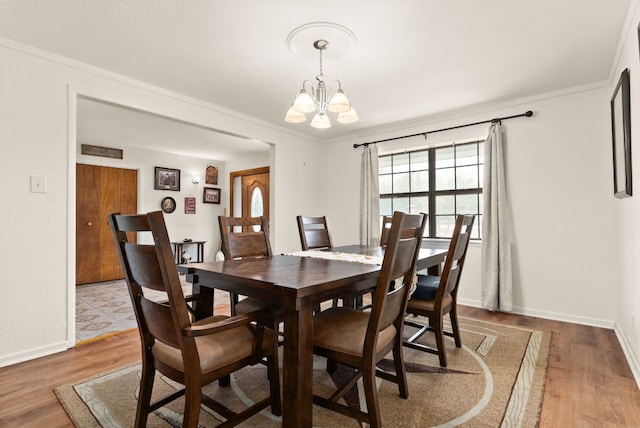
[38, 184]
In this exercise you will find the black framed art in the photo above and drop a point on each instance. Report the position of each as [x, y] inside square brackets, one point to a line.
[211, 195]
[621, 137]
[167, 179]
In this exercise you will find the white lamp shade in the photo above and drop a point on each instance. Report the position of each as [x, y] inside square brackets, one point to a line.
[348, 116]
[294, 116]
[339, 103]
[321, 121]
[303, 102]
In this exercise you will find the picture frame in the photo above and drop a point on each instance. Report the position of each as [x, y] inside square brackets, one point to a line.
[621, 137]
[211, 195]
[189, 205]
[211, 176]
[168, 204]
[166, 179]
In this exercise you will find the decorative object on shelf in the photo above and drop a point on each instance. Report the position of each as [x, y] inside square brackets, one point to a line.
[621, 137]
[168, 204]
[167, 179]
[320, 98]
[189, 205]
[105, 152]
[195, 179]
[211, 195]
[211, 176]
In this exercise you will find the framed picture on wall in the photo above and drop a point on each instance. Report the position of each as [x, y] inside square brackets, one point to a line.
[211, 195]
[167, 179]
[621, 137]
[189, 205]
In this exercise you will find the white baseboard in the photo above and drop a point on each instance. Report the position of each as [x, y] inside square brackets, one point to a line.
[32, 354]
[631, 359]
[594, 322]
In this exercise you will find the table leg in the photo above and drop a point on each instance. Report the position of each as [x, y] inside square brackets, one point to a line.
[203, 309]
[297, 366]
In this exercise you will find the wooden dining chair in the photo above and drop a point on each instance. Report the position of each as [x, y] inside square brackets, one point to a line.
[436, 296]
[192, 353]
[361, 339]
[242, 238]
[314, 233]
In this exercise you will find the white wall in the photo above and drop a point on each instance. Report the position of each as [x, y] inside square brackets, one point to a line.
[37, 118]
[627, 213]
[558, 167]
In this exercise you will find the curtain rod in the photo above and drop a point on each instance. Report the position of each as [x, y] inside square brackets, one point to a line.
[498, 119]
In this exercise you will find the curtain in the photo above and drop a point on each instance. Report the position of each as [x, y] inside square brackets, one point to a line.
[497, 284]
[369, 197]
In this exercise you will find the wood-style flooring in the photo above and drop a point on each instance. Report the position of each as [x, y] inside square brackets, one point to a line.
[589, 383]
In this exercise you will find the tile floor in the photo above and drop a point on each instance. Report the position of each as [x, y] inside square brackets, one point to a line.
[105, 308]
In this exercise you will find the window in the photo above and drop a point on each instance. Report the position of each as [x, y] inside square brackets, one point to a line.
[441, 181]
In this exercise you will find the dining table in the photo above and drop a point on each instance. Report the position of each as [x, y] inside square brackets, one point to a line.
[296, 283]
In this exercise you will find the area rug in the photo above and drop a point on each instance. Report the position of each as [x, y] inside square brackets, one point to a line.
[495, 380]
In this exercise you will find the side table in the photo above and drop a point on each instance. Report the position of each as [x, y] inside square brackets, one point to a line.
[178, 247]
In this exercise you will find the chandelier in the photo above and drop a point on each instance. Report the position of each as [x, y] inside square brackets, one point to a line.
[318, 99]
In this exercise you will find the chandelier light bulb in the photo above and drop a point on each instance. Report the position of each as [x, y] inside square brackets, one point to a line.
[339, 102]
[303, 102]
[321, 121]
[349, 116]
[294, 116]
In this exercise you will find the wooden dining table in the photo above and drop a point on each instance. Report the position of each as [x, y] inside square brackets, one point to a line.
[296, 284]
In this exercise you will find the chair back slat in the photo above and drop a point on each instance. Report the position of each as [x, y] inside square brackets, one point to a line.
[244, 237]
[396, 275]
[157, 317]
[314, 233]
[386, 227]
[139, 257]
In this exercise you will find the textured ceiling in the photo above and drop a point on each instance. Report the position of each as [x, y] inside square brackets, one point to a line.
[411, 59]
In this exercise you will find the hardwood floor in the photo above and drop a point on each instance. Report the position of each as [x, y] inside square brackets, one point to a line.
[589, 383]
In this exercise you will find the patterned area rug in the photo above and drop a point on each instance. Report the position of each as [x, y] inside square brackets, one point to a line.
[495, 379]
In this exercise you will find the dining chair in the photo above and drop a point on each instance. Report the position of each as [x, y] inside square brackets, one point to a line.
[191, 353]
[361, 339]
[314, 233]
[242, 238]
[436, 296]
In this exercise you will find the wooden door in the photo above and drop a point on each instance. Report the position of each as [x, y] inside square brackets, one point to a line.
[247, 186]
[255, 195]
[100, 191]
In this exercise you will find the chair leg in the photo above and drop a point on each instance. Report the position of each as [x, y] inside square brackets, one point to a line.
[224, 381]
[192, 401]
[453, 315]
[274, 382]
[144, 395]
[371, 396]
[436, 323]
[401, 372]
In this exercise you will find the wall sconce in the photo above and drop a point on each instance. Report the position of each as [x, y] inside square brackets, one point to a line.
[196, 180]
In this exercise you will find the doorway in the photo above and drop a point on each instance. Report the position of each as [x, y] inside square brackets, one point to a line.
[249, 195]
[101, 190]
